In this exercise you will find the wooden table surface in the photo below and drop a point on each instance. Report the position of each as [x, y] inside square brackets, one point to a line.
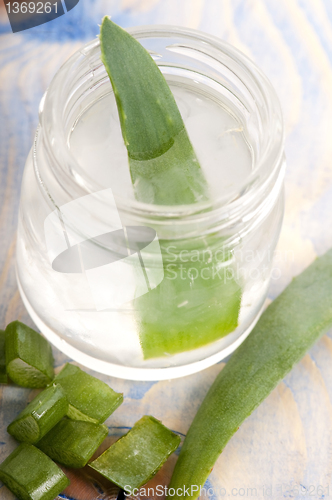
[287, 443]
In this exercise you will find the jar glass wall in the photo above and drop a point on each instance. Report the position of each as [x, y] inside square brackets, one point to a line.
[136, 290]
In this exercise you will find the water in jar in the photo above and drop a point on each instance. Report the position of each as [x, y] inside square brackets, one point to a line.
[197, 312]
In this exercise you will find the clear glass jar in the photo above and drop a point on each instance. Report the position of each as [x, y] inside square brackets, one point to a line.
[194, 285]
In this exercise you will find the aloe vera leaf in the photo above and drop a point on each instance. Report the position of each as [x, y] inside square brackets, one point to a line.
[31, 475]
[163, 165]
[151, 123]
[198, 301]
[137, 456]
[3, 370]
[29, 356]
[38, 418]
[89, 399]
[285, 331]
[72, 443]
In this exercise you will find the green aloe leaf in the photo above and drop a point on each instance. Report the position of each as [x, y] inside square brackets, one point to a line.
[282, 336]
[181, 313]
[89, 398]
[138, 455]
[197, 303]
[163, 165]
[31, 475]
[29, 357]
[40, 416]
[73, 442]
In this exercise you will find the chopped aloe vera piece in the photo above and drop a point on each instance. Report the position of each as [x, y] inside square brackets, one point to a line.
[163, 165]
[72, 443]
[31, 475]
[29, 356]
[3, 370]
[182, 313]
[188, 311]
[137, 456]
[286, 330]
[89, 399]
[38, 418]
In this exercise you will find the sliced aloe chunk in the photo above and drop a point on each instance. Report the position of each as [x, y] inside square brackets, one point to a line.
[180, 314]
[197, 302]
[138, 455]
[72, 443]
[31, 475]
[3, 370]
[29, 356]
[89, 399]
[38, 418]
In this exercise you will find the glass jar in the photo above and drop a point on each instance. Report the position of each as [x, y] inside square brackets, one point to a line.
[135, 290]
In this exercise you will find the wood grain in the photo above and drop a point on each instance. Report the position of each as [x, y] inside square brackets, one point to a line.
[287, 441]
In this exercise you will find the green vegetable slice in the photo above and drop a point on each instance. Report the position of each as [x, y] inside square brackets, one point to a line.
[72, 443]
[163, 165]
[138, 455]
[38, 418]
[89, 399]
[31, 475]
[182, 313]
[29, 356]
[3, 371]
[285, 331]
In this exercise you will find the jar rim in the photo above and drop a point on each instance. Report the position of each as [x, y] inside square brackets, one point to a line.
[270, 158]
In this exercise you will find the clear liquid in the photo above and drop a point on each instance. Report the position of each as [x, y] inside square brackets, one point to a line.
[106, 339]
[218, 139]
[225, 158]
